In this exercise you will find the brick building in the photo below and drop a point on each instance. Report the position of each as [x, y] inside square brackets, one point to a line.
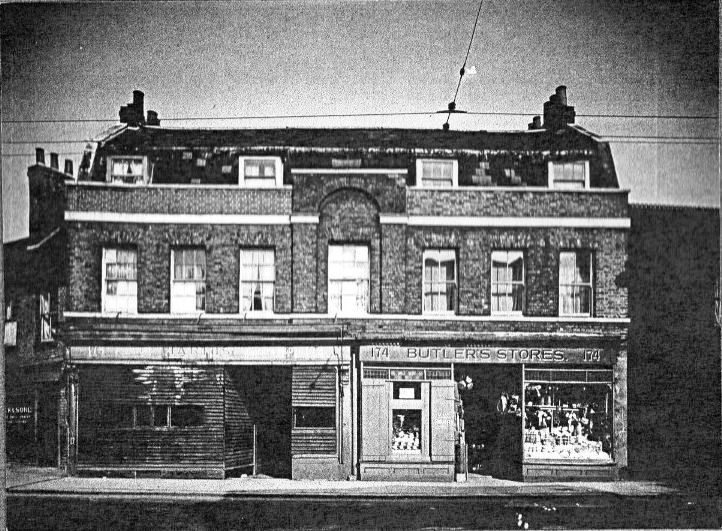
[34, 271]
[326, 303]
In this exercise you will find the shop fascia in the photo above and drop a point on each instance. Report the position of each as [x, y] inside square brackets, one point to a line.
[448, 354]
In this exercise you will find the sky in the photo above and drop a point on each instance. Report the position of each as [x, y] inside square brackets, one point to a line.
[215, 60]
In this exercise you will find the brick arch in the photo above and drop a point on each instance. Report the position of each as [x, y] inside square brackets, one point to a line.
[348, 215]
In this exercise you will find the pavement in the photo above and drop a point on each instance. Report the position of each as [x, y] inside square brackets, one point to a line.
[25, 480]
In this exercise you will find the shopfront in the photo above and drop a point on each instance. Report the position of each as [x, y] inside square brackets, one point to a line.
[526, 412]
[280, 411]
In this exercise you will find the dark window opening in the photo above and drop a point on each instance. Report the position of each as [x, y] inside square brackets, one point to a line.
[314, 417]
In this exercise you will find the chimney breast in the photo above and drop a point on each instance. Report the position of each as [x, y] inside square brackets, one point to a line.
[40, 156]
[69, 167]
[557, 113]
[54, 161]
[561, 93]
[535, 123]
[133, 114]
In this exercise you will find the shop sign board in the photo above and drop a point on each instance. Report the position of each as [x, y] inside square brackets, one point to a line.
[427, 354]
[277, 355]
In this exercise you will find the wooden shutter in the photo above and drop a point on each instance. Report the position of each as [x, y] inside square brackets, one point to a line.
[443, 420]
[314, 386]
[375, 421]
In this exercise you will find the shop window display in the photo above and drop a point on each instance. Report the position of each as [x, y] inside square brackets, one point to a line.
[568, 415]
[406, 430]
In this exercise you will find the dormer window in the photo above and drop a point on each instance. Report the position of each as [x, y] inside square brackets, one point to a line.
[260, 172]
[127, 170]
[437, 173]
[569, 175]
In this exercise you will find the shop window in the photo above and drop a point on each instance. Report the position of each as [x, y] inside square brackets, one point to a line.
[127, 170]
[437, 173]
[406, 434]
[407, 391]
[115, 415]
[507, 282]
[187, 416]
[258, 280]
[143, 416]
[568, 415]
[314, 417]
[188, 280]
[260, 172]
[46, 323]
[120, 284]
[440, 288]
[348, 279]
[575, 283]
[569, 175]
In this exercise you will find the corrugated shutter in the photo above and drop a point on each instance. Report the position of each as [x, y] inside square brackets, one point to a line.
[314, 386]
[443, 421]
[375, 418]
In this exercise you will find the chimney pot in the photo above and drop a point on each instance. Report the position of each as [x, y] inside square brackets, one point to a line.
[535, 123]
[69, 167]
[40, 156]
[152, 118]
[561, 93]
[54, 161]
[138, 97]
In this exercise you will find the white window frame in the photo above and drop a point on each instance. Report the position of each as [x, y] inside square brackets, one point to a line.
[342, 278]
[103, 287]
[242, 282]
[109, 169]
[552, 173]
[589, 285]
[45, 318]
[454, 172]
[439, 255]
[510, 283]
[278, 168]
[174, 305]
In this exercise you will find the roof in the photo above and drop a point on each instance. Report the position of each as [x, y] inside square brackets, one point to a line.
[535, 140]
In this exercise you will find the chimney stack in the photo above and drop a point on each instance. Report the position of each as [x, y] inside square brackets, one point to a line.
[69, 167]
[535, 123]
[152, 118]
[133, 113]
[40, 156]
[557, 113]
[54, 161]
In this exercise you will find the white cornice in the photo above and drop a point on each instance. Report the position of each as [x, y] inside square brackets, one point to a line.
[283, 219]
[250, 316]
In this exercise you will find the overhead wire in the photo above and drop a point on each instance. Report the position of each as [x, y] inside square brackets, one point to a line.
[462, 71]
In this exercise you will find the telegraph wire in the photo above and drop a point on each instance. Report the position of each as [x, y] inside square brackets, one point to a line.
[452, 105]
[361, 115]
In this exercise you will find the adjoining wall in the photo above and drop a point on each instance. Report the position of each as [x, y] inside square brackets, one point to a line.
[674, 346]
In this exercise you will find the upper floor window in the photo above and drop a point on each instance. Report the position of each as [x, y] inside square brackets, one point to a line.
[575, 283]
[258, 279]
[11, 325]
[120, 283]
[437, 173]
[46, 324]
[348, 279]
[127, 170]
[440, 287]
[188, 280]
[507, 282]
[569, 175]
[260, 172]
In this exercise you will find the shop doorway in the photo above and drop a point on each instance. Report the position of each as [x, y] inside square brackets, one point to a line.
[266, 393]
[492, 418]
[47, 434]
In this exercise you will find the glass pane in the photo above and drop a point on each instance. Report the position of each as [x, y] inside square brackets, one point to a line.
[160, 418]
[584, 263]
[406, 430]
[143, 416]
[566, 267]
[407, 391]
[185, 416]
[314, 417]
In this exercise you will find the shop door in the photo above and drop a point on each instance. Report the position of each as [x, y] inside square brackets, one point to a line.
[47, 435]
